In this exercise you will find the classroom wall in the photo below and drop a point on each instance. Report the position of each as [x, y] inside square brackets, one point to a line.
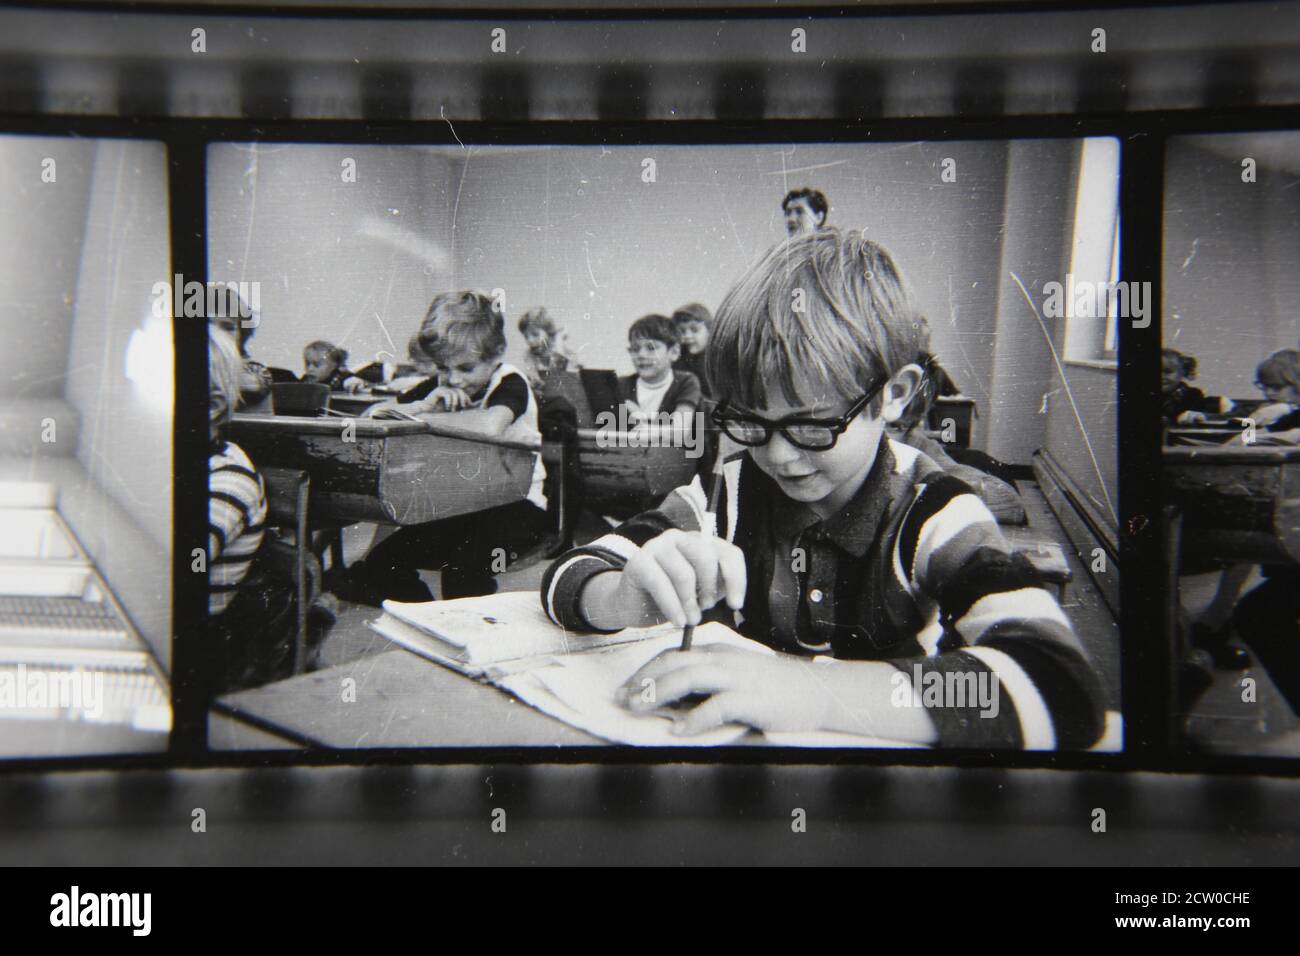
[125, 441]
[1035, 248]
[579, 230]
[1230, 278]
[41, 225]
[1068, 408]
[354, 263]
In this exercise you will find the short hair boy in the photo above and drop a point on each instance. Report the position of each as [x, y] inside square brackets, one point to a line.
[655, 388]
[899, 572]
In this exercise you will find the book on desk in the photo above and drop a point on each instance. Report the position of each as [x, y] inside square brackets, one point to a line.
[506, 640]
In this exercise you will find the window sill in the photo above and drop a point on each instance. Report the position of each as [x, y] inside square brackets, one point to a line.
[1106, 365]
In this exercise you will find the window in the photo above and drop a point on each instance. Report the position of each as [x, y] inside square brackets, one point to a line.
[1093, 298]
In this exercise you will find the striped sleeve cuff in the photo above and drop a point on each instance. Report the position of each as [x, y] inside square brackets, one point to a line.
[1065, 688]
[965, 699]
[562, 585]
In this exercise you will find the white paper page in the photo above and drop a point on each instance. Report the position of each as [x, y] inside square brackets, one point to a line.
[495, 628]
[582, 689]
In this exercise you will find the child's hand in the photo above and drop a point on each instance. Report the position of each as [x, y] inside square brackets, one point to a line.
[353, 385]
[447, 399]
[383, 410]
[1267, 414]
[770, 692]
[683, 573]
[1191, 418]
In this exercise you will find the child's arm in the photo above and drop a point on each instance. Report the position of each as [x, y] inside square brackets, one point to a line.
[586, 588]
[1267, 414]
[486, 421]
[233, 496]
[677, 575]
[999, 621]
[449, 406]
[445, 406]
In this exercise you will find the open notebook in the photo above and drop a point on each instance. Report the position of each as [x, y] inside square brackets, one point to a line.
[507, 640]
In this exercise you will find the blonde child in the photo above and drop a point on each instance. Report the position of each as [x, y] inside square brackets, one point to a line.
[478, 391]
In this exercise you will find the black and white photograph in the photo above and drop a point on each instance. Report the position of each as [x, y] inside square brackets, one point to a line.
[85, 466]
[1230, 391]
[546, 432]
[807, 445]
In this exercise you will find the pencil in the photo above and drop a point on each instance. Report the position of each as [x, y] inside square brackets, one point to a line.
[688, 632]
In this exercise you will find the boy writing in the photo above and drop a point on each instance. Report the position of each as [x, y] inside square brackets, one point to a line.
[833, 540]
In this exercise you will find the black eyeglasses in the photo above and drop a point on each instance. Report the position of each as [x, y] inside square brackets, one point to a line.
[809, 434]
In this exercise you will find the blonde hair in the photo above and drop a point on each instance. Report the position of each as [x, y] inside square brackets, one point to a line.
[460, 322]
[538, 318]
[326, 349]
[224, 366]
[830, 306]
[1284, 365]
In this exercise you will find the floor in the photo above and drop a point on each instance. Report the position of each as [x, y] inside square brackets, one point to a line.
[1092, 619]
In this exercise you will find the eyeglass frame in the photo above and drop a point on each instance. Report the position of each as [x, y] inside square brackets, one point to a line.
[837, 426]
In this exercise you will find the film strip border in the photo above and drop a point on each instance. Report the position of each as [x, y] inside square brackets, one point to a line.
[508, 68]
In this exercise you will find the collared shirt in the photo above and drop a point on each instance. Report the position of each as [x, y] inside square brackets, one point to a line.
[803, 594]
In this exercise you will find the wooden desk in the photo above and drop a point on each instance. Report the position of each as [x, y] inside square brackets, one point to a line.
[392, 472]
[614, 470]
[1201, 434]
[1236, 503]
[402, 700]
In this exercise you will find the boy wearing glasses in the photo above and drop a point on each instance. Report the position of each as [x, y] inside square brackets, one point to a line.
[877, 576]
[656, 392]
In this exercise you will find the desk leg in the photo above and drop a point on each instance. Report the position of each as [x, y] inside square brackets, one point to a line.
[561, 487]
[303, 544]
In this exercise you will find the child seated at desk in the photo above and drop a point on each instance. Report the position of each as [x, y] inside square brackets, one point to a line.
[655, 392]
[548, 349]
[255, 379]
[1182, 403]
[693, 322]
[1278, 377]
[1260, 617]
[477, 391]
[250, 611]
[834, 540]
[1268, 618]
[326, 364]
